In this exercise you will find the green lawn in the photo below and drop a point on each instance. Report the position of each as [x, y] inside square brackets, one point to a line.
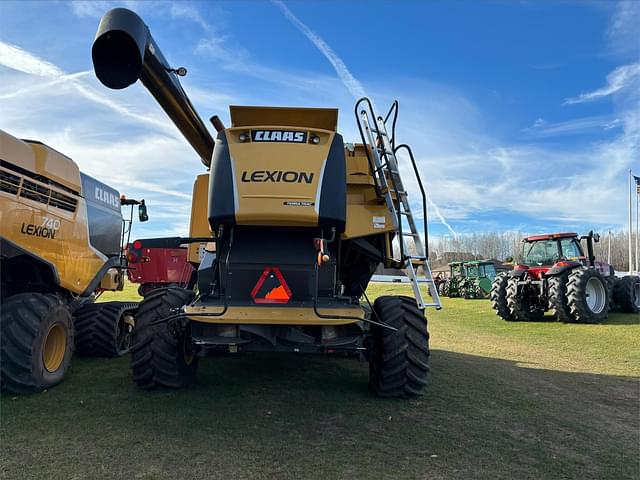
[506, 400]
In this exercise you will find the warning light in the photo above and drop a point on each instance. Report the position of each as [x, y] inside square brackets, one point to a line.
[271, 287]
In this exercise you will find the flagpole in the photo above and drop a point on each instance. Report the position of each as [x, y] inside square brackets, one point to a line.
[637, 218]
[630, 226]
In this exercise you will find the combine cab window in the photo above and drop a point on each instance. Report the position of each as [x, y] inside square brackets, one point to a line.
[541, 253]
[570, 248]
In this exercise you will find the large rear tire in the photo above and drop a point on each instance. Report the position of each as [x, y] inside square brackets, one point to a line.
[37, 342]
[587, 295]
[558, 297]
[520, 305]
[104, 329]
[499, 296]
[626, 294]
[158, 358]
[399, 365]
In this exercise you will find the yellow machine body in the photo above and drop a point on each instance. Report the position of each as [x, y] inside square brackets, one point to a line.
[44, 215]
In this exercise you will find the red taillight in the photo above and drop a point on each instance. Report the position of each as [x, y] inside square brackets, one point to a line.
[137, 244]
[132, 257]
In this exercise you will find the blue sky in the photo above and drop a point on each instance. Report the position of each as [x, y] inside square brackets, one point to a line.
[523, 115]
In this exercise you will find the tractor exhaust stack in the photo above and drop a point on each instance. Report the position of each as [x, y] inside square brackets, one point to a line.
[124, 51]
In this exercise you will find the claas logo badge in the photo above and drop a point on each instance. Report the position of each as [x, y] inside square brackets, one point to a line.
[271, 287]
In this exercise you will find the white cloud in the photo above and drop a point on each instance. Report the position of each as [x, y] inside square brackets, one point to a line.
[617, 80]
[623, 28]
[16, 58]
[583, 125]
[189, 12]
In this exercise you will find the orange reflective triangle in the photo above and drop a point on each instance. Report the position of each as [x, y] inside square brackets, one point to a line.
[271, 287]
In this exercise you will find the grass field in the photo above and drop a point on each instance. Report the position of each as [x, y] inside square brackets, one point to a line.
[506, 400]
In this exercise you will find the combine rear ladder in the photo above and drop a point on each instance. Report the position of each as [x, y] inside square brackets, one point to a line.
[384, 165]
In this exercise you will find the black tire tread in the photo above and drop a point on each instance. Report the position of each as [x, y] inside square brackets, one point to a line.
[498, 296]
[576, 298]
[558, 297]
[154, 350]
[624, 293]
[20, 320]
[96, 327]
[402, 367]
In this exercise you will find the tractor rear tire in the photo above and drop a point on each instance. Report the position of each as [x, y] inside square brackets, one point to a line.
[588, 295]
[399, 365]
[479, 293]
[37, 342]
[498, 296]
[558, 297]
[446, 289]
[104, 329]
[158, 358]
[626, 294]
[519, 305]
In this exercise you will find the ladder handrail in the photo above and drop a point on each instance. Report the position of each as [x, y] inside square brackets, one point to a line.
[381, 151]
[395, 109]
[424, 196]
[370, 114]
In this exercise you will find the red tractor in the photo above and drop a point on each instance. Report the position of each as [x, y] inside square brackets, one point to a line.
[157, 263]
[556, 274]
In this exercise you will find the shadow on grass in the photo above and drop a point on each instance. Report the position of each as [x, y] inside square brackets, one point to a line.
[293, 416]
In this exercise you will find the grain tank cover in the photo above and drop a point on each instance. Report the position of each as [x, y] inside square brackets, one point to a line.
[319, 118]
[279, 167]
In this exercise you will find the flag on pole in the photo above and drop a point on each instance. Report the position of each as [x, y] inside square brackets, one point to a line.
[637, 179]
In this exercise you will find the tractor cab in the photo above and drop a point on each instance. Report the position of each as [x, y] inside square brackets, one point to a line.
[547, 250]
[479, 276]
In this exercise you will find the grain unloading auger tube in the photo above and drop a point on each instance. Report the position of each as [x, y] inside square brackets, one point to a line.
[295, 224]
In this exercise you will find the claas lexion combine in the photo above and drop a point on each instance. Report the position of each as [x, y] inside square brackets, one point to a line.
[287, 227]
[61, 237]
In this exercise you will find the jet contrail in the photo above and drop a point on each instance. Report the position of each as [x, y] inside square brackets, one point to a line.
[441, 217]
[349, 81]
[15, 58]
[353, 85]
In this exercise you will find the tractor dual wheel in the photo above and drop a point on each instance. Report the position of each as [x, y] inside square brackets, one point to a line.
[626, 294]
[498, 296]
[399, 364]
[158, 358]
[446, 289]
[520, 305]
[558, 297]
[104, 329]
[37, 342]
[587, 295]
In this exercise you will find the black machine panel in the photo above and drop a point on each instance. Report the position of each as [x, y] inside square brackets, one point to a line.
[103, 215]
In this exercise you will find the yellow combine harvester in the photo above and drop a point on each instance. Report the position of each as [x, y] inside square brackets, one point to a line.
[287, 229]
[60, 246]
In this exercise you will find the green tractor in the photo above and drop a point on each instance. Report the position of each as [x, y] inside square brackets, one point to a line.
[452, 287]
[479, 275]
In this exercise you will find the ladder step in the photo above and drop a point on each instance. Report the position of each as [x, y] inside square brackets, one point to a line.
[384, 191]
[410, 234]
